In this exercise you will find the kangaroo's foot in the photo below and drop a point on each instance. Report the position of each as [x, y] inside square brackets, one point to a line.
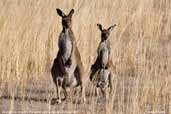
[58, 101]
[55, 101]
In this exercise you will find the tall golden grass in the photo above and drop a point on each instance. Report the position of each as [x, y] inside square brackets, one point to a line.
[141, 46]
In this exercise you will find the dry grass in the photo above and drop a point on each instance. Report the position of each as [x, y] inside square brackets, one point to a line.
[141, 48]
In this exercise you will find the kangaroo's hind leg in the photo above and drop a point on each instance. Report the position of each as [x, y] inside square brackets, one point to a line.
[58, 89]
[64, 90]
[78, 73]
[110, 83]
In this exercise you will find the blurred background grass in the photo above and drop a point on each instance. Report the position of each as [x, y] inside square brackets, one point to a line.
[141, 44]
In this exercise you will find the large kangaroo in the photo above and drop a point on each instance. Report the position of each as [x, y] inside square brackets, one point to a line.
[67, 67]
[100, 71]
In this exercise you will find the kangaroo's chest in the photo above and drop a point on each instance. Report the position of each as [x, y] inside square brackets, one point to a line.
[66, 45]
[104, 53]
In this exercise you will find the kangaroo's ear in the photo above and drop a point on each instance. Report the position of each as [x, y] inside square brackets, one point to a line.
[111, 27]
[60, 13]
[71, 12]
[100, 27]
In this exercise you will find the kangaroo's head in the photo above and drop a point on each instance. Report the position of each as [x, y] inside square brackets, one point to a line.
[66, 19]
[105, 32]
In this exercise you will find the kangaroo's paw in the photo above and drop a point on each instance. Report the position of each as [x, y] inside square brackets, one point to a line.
[55, 101]
[69, 62]
[58, 101]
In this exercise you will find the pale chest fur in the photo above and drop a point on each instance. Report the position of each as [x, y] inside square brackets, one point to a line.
[104, 53]
[66, 45]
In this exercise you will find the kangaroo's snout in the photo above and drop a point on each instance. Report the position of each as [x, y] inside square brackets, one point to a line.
[105, 34]
[66, 22]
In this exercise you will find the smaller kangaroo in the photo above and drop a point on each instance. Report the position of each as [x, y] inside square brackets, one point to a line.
[100, 69]
[67, 68]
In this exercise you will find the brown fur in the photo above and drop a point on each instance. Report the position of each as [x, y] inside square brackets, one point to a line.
[104, 36]
[59, 73]
[97, 67]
